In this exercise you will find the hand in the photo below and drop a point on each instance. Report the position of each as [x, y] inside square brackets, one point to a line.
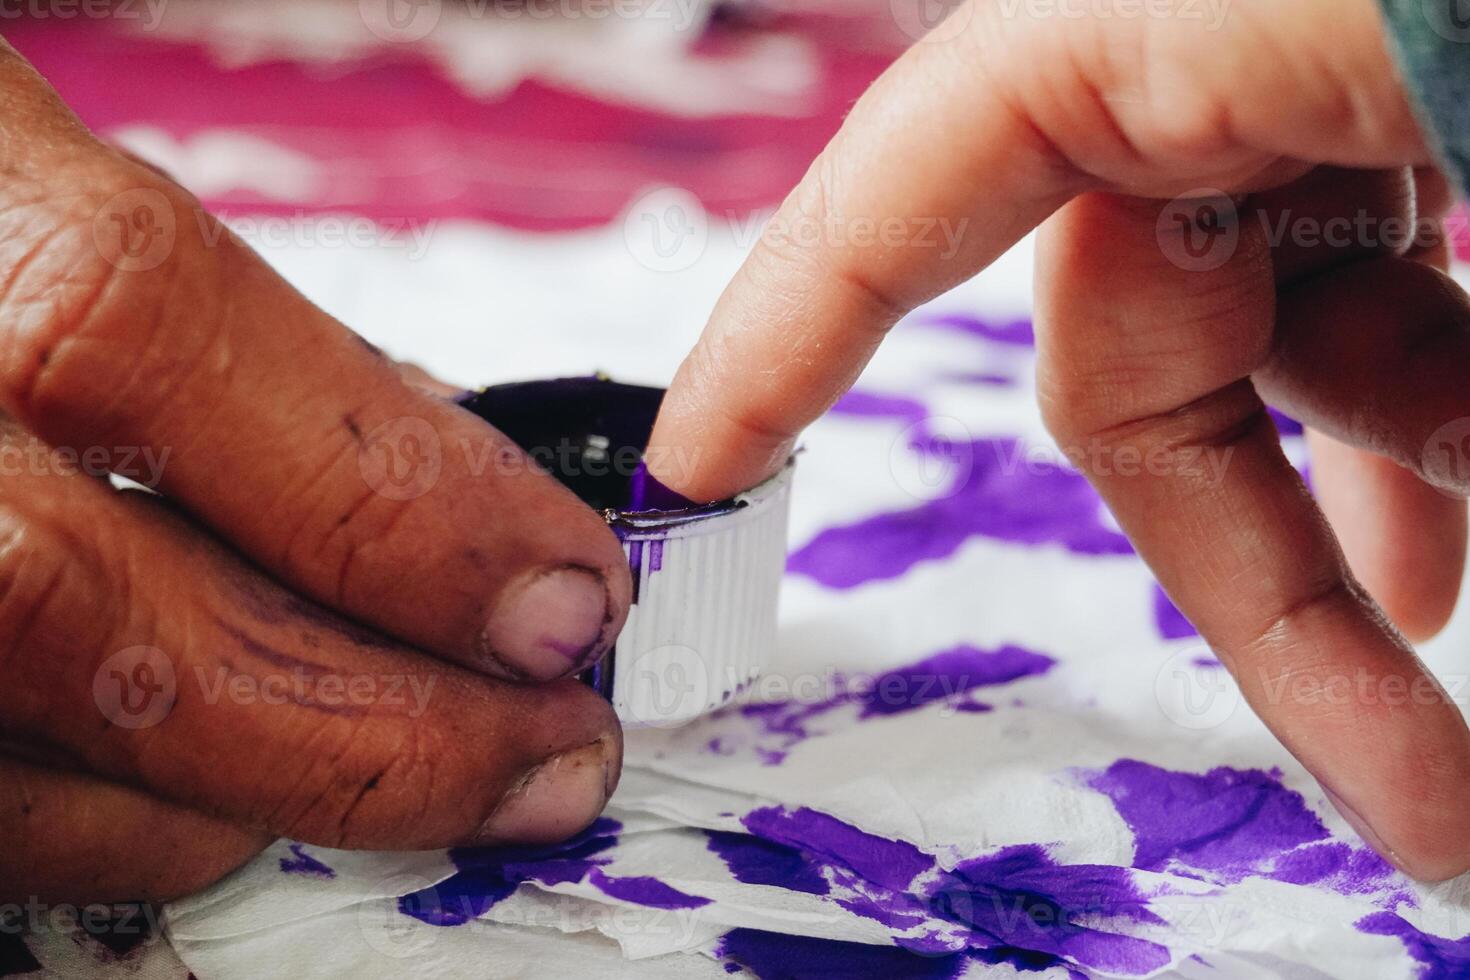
[253, 653]
[1001, 121]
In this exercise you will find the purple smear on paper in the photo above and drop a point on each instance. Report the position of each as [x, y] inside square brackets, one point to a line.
[948, 673]
[867, 404]
[761, 862]
[1170, 621]
[488, 875]
[1285, 424]
[995, 493]
[1020, 898]
[1015, 333]
[1346, 869]
[776, 956]
[981, 378]
[889, 863]
[1228, 823]
[935, 678]
[304, 864]
[1439, 958]
[649, 892]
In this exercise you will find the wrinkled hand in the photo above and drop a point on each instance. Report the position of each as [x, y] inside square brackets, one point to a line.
[319, 629]
[1154, 342]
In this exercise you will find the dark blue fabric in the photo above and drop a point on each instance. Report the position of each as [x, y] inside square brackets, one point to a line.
[1432, 41]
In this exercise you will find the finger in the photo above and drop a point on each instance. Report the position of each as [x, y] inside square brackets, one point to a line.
[154, 657]
[1403, 539]
[1374, 354]
[1140, 359]
[981, 132]
[74, 838]
[136, 325]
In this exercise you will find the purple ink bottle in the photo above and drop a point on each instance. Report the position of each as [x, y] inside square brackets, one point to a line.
[705, 577]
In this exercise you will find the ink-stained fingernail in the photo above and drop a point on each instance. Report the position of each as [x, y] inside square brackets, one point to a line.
[550, 623]
[557, 798]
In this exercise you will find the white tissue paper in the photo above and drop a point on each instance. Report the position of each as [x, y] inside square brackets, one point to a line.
[986, 745]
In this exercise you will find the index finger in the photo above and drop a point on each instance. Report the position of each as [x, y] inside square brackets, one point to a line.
[969, 141]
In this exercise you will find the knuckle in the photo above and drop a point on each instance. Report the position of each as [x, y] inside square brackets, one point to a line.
[91, 268]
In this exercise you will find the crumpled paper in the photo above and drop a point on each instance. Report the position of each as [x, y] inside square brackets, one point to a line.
[986, 745]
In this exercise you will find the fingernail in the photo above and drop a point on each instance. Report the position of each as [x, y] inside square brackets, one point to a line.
[1363, 829]
[557, 798]
[550, 623]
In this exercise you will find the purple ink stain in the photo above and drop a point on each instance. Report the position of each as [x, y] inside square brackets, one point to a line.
[987, 378]
[1285, 424]
[1014, 333]
[1020, 898]
[302, 863]
[1226, 823]
[889, 863]
[867, 404]
[996, 493]
[775, 956]
[1016, 906]
[939, 677]
[1439, 958]
[948, 673]
[488, 875]
[1171, 623]
[645, 492]
[760, 862]
[645, 891]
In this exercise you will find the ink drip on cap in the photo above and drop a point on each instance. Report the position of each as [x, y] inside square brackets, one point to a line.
[705, 576]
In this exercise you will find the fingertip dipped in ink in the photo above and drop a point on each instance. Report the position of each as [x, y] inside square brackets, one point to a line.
[705, 576]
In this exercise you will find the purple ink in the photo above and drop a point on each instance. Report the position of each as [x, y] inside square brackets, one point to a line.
[760, 862]
[996, 493]
[1019, 898]
[889, 863]
[1285, 424]
[939, 677]
[867, 404]
[775, 956]
[488, 875]
[1171, 623]
[646, 492]
[1226, 823]
[301, 863]
[645, 891]
[949, 673]
[988, 378]
[1014, 333]
[1439, 958]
